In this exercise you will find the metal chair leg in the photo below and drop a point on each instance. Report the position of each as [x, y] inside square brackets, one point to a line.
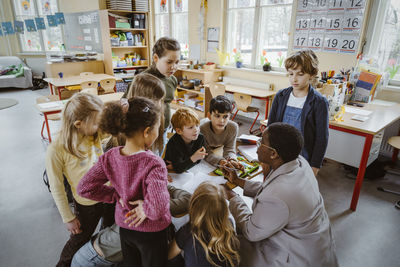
[250, 130]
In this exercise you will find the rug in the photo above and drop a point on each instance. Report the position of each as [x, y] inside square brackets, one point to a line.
[7, 102]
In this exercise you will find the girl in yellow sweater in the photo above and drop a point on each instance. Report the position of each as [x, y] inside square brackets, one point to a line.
[75, 150]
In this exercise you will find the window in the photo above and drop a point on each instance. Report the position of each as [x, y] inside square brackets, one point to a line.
[41, 40]
[171, 19]
[385, 40]
[259, 28]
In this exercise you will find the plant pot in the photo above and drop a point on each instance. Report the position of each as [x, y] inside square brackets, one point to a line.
[239, 64]
[266, 67]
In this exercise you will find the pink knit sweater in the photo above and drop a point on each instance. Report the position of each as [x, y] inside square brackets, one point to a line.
[139, 176]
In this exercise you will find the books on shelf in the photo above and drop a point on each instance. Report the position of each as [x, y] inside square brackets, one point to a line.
[248, 139]
[365, 86]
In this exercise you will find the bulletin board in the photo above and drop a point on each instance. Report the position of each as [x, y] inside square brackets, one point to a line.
[332, 26]
[82, 32]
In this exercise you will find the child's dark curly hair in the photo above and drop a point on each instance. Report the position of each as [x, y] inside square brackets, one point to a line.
[118, 118]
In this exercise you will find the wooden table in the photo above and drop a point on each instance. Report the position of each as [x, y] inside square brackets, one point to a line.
[61, 83]
[263, 94]
[57, 106]
[357, 143]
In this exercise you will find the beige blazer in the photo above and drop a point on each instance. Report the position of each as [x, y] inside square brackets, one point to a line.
[288, 225]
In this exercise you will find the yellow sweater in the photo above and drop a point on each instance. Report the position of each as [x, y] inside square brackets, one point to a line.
[59, 162]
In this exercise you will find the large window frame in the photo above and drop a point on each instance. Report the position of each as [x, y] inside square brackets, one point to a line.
[375, 34]
[41, 33]
[259, 7]
[172, 13]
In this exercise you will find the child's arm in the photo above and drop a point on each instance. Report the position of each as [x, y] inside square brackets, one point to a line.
[321, 134]
[54, 169]
[92, 185]
[156, 199]
[173, 250]
[230, 143]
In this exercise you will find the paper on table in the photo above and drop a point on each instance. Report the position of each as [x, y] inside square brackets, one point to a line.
[383, 103]
[249, 137]
[189, 181]
[358, 111]
[249, 152]
[359, 118]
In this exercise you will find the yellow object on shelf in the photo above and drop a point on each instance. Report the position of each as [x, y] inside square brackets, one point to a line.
[222, 56]
[73, 87]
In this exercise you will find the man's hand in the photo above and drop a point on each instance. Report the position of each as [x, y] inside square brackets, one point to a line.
[236, 164]
[74, 226]
[315, 170]
[199, 154]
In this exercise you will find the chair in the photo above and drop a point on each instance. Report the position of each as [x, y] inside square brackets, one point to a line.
[84, 74]
[89, 87]
[53, 117]
[263, 125]
[394, 141]
[243, 104]
[107, 86]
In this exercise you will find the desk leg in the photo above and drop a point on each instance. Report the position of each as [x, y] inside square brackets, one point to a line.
[361, 171]
[59, 90]
[51, 88]
[266, 107]
[47, 126]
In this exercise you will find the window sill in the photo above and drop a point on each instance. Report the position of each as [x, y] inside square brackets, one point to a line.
[392, 88]
[273, 73]
[31, 54]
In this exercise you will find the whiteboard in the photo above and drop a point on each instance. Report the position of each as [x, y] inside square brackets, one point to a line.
[82, 32]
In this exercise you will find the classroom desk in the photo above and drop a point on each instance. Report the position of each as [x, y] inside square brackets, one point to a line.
[61, 83]
[258, 93]
[57, 106]
[357, 143]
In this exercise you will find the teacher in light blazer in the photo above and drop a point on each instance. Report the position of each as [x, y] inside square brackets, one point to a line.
[288, 224]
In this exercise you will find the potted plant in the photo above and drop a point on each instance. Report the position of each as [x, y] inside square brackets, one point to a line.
[237, 56]
[280, 59]
[264, 61]
[392, 69]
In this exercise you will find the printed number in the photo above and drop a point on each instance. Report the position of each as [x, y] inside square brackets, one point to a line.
[321, 3]
[337, 3]
[317, 42]
[332, 43]
[335, 23]
[317, 22]
[303, 24]
[353, 22]
[356, 3]
[348, 44]
[300, 41]
[305, 3]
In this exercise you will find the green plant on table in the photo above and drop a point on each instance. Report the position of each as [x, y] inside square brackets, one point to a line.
[237, 56]
[393, 68]
[280, 59]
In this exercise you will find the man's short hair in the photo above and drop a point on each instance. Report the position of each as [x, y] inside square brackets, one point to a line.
[286, 139]
[221, 104]
[183, 117]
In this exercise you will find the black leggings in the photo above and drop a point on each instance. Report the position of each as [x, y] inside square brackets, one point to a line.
[147, 249]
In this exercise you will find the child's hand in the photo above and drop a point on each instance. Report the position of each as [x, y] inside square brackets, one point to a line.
[169, 178]
[236, 164]
[169, 165]
[74, 226]
[199, 154]
[136, 216]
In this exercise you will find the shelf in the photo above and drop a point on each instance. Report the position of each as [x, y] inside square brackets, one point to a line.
[130, 67]
[127, 29]
[190, 90]
[175, 105]
[201, 70]
[127, 12]
[127, 47]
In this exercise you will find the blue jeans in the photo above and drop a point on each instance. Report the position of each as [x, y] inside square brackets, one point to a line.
[86, 256]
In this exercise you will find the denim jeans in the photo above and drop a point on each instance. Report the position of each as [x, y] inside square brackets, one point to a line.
[88, 257]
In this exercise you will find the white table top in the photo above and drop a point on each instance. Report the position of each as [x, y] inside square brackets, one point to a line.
[76, 80]
[256, 92]
[59, 105]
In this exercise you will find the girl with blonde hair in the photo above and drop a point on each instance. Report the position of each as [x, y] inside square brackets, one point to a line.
[75, 150]
[209, 238]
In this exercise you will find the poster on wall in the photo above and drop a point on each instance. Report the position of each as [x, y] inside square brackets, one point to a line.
[18, 26]
[331, 26]
[7, 28]
[40, 23]
[51, 20]
[1, 32]
[30, 25]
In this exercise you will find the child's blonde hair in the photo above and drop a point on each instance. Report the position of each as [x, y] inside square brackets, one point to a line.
[81, 107]
[151, 87]
[210, 225]
[183, 117]
[305, 59]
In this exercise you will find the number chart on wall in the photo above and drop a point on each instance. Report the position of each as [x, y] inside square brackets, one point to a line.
[329, 25]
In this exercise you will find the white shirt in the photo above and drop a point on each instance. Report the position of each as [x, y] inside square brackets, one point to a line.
[296, 102]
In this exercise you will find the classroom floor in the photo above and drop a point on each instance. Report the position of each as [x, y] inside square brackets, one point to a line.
[32, 233]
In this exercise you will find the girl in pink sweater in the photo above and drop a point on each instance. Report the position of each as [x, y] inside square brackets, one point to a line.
[138, 179]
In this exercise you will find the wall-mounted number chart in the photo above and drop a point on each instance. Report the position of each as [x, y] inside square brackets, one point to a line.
[332, 26]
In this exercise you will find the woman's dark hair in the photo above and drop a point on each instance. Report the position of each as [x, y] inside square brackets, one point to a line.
[118, 118]
[286, 140]
[221, 104]
[165, 44]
